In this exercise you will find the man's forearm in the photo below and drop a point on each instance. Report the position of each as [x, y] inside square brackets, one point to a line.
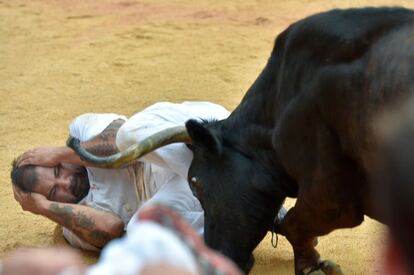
[102, 145]
[91, 225]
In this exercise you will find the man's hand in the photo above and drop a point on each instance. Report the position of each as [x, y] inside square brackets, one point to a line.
[32, 202]
[43, 156]
[42, 261]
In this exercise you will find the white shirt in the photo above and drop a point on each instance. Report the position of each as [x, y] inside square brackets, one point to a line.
[158, 177]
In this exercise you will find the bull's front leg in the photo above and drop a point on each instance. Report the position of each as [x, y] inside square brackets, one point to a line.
[307, 258]
[320, 208]
[303, 244]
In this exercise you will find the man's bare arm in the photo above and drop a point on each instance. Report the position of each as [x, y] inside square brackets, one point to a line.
[94, 226]
[103, 144]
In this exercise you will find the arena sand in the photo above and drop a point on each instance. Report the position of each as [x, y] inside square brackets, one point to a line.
[61, 58]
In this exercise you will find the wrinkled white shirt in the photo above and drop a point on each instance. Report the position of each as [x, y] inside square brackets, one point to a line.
[158, 177]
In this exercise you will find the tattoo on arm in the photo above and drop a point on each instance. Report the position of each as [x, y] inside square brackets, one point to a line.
[64, 213]
[101, 236]
[111, 130]
[79, 223]
[104, 144]
[84, 221]
[103, 149]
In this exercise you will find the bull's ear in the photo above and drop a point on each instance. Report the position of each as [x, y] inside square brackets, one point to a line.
[202, 136]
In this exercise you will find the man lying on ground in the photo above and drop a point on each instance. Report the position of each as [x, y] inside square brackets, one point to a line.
[94, 205]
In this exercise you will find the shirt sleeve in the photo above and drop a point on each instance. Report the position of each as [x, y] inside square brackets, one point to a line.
[77, 242]
[175, 157]
[87, 126]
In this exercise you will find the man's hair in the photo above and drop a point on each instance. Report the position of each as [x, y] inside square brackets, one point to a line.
[24, 177]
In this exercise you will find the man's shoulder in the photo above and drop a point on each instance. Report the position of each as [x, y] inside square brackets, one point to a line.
[92, 118]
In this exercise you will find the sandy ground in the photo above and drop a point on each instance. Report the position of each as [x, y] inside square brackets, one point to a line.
[61, 58]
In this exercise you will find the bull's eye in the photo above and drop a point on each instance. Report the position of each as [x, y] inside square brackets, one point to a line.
[196, 188]
[193, 183]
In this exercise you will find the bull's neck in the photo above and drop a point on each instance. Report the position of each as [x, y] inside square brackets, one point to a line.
[259, 105]
[253, 120]
[251, 126]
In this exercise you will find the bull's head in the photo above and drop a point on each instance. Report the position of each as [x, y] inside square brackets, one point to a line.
[235, 190]
[233, 187]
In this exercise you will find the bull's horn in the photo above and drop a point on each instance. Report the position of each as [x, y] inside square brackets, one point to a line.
[157, 140]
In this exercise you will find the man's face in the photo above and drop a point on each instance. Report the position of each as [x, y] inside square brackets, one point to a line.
[61, 184]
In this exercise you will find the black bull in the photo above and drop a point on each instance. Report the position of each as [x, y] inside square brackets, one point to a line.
[305, 129]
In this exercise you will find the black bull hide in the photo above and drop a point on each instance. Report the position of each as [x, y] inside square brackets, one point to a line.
[305, 129]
